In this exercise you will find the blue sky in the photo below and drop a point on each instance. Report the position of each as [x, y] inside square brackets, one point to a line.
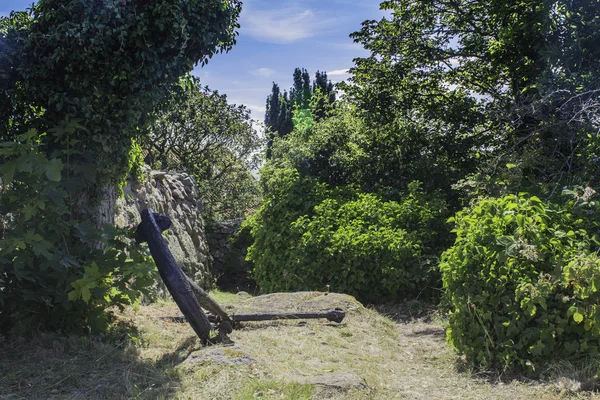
[277, 36]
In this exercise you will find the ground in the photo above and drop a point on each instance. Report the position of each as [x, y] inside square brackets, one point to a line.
[391, 354]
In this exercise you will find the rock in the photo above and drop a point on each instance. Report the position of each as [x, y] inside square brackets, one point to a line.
[163, 192]
[229, 257]
[297, 302]
[223, 355]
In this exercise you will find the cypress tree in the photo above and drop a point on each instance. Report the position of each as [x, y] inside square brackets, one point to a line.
[272, 115]
[273, 107]
[297, 91]
[306, 89]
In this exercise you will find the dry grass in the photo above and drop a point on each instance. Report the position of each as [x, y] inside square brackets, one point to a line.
[368, 356]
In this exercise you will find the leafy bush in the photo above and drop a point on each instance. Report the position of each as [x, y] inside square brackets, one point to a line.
[355, 242]
[523, 280]
[287, 197]
[55, 270]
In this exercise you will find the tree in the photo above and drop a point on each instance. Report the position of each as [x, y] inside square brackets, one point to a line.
[306, 90]
[277, 116]
[198, 132]
[297, 91]
[499, 83]
[281, 108]
[284, 123]
[79, 80]
[273, 107]
[323, 95]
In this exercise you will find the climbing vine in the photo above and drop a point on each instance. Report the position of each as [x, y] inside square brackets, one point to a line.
[78, 83]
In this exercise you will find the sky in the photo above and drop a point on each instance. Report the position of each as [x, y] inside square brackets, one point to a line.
[275, 37]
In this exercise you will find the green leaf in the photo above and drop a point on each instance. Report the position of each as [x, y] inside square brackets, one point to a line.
[578, 317]
[511, 166]
[8, 171]
[53, 170]
[86, 294]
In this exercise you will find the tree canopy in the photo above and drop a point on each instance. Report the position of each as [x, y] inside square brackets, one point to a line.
[199, 132]
[282, 108]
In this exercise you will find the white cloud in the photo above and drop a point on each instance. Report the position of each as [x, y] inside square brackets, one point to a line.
[338, 72]
[283, 25]
[338, 75]
[255, 108]
[348, 46]
[264, 72]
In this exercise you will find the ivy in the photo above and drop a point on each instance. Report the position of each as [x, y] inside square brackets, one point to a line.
[79, 80]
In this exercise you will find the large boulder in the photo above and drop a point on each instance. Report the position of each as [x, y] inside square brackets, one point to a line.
[176, 196]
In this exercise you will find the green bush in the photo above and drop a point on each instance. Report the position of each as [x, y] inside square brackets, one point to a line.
[523, 281]
[55, 271]
[307, 237]
[287, 196]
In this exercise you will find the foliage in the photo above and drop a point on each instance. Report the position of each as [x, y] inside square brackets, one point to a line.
[480, 86]
[198, 132]
[286, 197]
[304, 99]
[57, 62]
[330, 150]
[86, 75]
[56, 271]
[306, 236]
[523, 281]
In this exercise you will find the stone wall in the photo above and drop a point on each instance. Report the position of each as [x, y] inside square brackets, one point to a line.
[176, 196]
[230, 267]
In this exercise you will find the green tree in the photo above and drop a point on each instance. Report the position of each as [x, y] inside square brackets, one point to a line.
[79, 80]
[323, 95]
[284, 123]
[306, 90]
[282, 109]
[200, 133]
[297, 91]
[273, 107]
[498, 83]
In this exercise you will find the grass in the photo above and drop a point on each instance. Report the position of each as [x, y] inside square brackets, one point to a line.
[368, 356]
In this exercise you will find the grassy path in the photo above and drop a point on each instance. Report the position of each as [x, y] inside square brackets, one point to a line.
[368, 356]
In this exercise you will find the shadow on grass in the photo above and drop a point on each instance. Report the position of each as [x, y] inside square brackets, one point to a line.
[432, 331]
[180, 354]
[407, 312]
[55, 366]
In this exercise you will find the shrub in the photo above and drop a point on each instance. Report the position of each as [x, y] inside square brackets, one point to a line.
[55, 271]
[523, 281]
[287, 196]
[359, 244]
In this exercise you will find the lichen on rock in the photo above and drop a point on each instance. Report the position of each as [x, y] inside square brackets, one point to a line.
[176, 196]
